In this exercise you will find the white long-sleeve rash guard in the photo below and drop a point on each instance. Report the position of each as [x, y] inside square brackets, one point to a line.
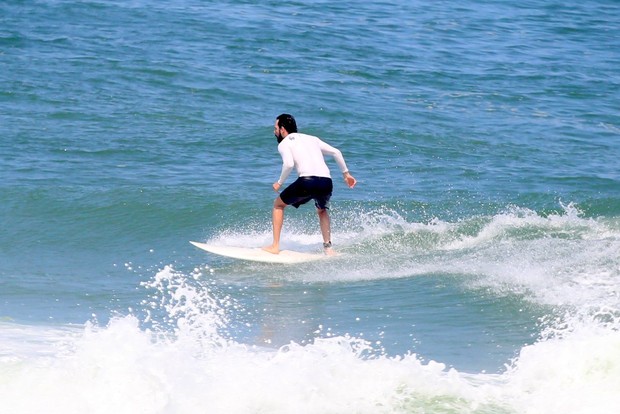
[305, 153]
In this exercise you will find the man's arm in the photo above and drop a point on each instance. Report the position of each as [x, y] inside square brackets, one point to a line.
[327, 149]
[337, 154]
[288, 163]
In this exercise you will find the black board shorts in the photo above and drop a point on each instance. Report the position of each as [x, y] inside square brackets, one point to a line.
[305, 189]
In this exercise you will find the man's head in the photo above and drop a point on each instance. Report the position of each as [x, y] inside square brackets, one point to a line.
[285, 124]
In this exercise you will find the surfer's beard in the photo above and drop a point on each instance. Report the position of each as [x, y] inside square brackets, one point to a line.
[279, 137]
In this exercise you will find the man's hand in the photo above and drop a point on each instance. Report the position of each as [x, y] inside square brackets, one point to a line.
[349, 179]
[276, 187]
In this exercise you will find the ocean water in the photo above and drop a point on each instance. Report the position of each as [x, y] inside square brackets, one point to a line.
[480, 266]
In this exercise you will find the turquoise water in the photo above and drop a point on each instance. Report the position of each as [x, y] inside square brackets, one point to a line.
[481, 248]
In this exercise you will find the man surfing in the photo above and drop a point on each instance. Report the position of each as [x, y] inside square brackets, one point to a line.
[306, 154]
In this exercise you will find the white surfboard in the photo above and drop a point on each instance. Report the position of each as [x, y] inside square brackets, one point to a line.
[256, 254]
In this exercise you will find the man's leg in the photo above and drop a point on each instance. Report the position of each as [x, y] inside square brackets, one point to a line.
[325, 228]
[277, 218]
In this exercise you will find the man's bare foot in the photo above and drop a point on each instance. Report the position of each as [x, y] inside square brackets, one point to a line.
[329, 251]
[272, 249]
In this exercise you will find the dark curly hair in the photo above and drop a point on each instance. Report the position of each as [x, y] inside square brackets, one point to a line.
[287, 122]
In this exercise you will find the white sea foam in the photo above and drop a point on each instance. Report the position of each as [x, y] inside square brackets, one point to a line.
[175, 354]
[557, 259]
[575, 371]
[124, 367]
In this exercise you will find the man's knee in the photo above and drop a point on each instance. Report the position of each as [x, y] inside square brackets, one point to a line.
[321, 211]
[278, 203]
